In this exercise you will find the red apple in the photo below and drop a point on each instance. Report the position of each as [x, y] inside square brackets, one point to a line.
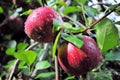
[79, 61]
[15, 23]
[63, 0]
[39, 24]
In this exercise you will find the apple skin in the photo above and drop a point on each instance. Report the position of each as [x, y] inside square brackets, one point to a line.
[79, 61]
[39, 24]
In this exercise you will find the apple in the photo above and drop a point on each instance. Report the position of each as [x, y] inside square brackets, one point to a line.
[39, 24]
[16, 24]
[79, 61]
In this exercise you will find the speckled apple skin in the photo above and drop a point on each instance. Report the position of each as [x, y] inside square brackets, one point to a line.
[39, 24]
[79, 61]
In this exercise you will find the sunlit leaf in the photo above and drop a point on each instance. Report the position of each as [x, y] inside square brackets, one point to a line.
[91, 12]
[27, 56]
[22, 46]
[107, 35]
[70, 78]
[83, 1]
[73, 39]
[1, 9]
[42, 65]
[72, 9]
[10, 51]
[45, 75]
[26, 12]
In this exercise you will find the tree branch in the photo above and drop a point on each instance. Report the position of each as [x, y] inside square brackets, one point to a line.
[56, 68]
[89, 27]
[80, 24]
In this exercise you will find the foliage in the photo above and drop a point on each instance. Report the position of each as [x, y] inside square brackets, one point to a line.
[37, 62]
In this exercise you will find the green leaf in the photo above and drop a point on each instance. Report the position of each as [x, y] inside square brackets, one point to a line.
[57, 25]
[70, 78]
[30, 56]
[12, 44]
[60, 3]
[100, 76]
[72, 9]
[91, 12]
[20, 56]
[45, 75]
[28, 1]
[22, 65]
[26, 12]
[73, 39]
[26, 71]
[19, 9]
[27, 56]
[118, 22]
[9, 64]
[83, 1]
[68, 28]
[21, 46]
[107, 35]
[42, 65]
[113, 56]
[1, 9]
[10, 51]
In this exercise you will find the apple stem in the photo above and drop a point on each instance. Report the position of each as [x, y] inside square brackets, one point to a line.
[17, 61]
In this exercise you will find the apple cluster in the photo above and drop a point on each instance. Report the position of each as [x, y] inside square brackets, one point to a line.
[72, 59]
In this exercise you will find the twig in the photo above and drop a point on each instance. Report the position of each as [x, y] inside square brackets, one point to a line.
[56, 68]
[13, 70]
[80, 24]
[17, 61]
[100, 3]
[4, 22]
[46, 47]
[89, 27]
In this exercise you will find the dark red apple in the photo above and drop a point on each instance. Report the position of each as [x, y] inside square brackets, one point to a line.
[79, 61]
[63, 0]
[39, 24]
[15, 23]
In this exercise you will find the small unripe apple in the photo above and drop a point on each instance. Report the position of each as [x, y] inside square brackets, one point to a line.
[39, 24]
[79, 61]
